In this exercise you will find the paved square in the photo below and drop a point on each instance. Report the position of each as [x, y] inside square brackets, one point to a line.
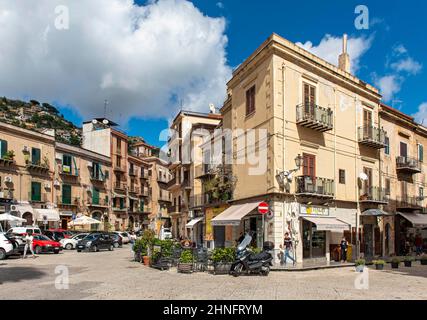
[112, 275]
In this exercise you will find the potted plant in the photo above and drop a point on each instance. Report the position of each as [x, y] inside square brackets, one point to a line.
[423, 260]
[395, 263]
[360, 265]
[222, 259]
[185, 264]
[379, 264]
[408, 261]
[10, 155]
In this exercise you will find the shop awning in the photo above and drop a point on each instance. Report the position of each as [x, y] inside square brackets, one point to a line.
[50, 214]
[328, 224]
[22, 208]
[234, 215]
[374, 213]
[116, 195]
[417, 219]
[193, 222]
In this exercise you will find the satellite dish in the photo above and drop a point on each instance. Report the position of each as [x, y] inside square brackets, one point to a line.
[94, 121]
[105, 121]
[363, 176]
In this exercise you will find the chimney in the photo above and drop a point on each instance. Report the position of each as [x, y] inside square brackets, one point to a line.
[344, 58]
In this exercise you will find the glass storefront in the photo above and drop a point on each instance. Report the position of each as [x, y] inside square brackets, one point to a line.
[314, 242]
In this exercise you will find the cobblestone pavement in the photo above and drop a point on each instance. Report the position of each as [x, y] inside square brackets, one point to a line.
[112, 275]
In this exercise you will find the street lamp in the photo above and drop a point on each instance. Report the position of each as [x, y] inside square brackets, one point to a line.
[287, 174]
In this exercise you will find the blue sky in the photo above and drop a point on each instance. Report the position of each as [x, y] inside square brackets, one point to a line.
[394, 58]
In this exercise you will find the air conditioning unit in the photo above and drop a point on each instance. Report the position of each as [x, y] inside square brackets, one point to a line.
[47, 185]
[1, 194]
[8, 179]
[26, 149]
[13, 208]
[56, 183]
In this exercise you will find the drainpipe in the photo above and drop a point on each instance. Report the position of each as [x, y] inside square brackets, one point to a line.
[357, 184]
[284, 142]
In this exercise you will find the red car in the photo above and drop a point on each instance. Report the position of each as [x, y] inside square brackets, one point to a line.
[42, 244]
[67, 234]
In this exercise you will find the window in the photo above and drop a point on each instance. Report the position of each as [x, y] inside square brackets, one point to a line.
[368, 183]
[66, 194]
[309, 166]
[403, 150]
[309, 95]
[3, 148]
[36, 188]
[119, 146]
[35, 156]
[250, 101]
[421, 193]
[342, 176]
[420, 152]
[67, 163]
[95, 196]
[387, 187]
[387, 146]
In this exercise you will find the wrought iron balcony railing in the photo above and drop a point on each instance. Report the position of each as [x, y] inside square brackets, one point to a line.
[407, 164]
[315, 117]
[372, 137]
[374, 195]
[315, 186]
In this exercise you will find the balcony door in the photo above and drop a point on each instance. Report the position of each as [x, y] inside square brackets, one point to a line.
[403, 150]
[367, 124]
[367, 184]
[309, 166]
[309, 98]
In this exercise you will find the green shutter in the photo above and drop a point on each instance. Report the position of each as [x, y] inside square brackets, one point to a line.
[66, 194]
[141, 205]
[3, 148]
[76, 170]
[95, 196]
[35, 156]
[36, 191]
[122, 203]
[421, 152]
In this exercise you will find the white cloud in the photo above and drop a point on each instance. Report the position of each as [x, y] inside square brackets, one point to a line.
[408, 65]
[220, 5]
[399, 49]
[421, 115]
[330, 48]
[142, 59]
[388, 85]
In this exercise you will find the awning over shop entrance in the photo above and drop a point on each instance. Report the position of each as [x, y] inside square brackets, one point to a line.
[328, 224]
[193, 222]
[374, 213]
[417, 219]
[234, 215]
[50, 214]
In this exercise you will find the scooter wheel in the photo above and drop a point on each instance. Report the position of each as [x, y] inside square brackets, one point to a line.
[237, 270]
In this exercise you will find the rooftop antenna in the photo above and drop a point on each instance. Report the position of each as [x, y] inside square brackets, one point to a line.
[105, 108]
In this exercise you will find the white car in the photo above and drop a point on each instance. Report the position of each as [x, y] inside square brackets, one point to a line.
[71, 243]
[23, 230]
[124, 235]
[6, 247]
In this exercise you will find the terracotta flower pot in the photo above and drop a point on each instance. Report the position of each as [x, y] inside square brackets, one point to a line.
[146, 260]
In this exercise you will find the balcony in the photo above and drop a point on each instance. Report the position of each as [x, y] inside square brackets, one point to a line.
[162, 179]
[186, 184]
[372, 137]
[174, 210]
[374, 195]
[96, 178]
[205, 171]
[133, 189]
[315, 117]
[121, 186]
[173, 184]
[120, 209]
[408, 165]
[68, 171]
[6, 161]
[314, 187]
[164, 197]
[68, 201]
[198, 200]
[119, 168]
[6, 195]
[38, 198]
[144, 175]
[132, 173]
[408, 203]
[98, 203]
[37, 167]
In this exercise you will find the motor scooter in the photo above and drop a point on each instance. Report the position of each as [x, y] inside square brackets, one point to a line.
[249, 262]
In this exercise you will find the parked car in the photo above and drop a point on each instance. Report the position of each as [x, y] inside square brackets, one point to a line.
[24, 230]
[165, 234]
[54, 235]
[124, 235]
[71, 243]
[117, 240]
[42, 244]
[95, 242]
[6, 247]
[17, 241]
[67, 234]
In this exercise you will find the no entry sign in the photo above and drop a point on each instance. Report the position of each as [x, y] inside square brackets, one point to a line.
[263, 208]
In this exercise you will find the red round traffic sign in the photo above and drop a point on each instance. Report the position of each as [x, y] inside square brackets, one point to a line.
[263, 208]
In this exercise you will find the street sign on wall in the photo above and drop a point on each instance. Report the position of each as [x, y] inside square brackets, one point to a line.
[263, 208]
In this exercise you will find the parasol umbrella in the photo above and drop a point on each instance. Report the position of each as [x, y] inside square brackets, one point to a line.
[10, 218]
[84, 221]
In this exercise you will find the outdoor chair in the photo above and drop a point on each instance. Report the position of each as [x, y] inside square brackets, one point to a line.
[201, 260]
[176, 255]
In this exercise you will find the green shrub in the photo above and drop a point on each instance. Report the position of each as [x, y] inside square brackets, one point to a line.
[360, 262]
[379, 262]
[141, 247]
[396, 260]
[223, 255]
[186, 256]
[409, 258]
[424, 257]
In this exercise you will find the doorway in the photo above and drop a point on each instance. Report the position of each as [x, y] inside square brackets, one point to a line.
[29, 217]
[314, 241]
[368, 231]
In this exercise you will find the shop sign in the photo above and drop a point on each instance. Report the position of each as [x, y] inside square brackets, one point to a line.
[314, 210]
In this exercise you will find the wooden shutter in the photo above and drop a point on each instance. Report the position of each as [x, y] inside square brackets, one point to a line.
[420, 153]
[403, 150]
[35, 156]
[36, 189]
[3, 148]
[95, 196]
[66, 194]
[309, 168]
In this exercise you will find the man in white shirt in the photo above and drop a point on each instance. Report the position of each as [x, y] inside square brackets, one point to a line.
[28, 245]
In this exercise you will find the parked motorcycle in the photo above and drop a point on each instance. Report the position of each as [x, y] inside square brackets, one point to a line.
[249, 262]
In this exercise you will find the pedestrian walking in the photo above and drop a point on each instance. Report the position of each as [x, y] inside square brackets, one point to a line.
[281, 254]
[132, 239]
[344, 248]
[419, 244]
[288, 249]
[28, 245]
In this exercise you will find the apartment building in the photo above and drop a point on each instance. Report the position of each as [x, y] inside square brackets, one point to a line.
[26, 175]
[404, 177]
[189, 130]
[82, 184]
[317, 141]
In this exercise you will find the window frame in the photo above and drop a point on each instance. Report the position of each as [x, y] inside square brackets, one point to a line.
[341, 174]
[250, 100]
